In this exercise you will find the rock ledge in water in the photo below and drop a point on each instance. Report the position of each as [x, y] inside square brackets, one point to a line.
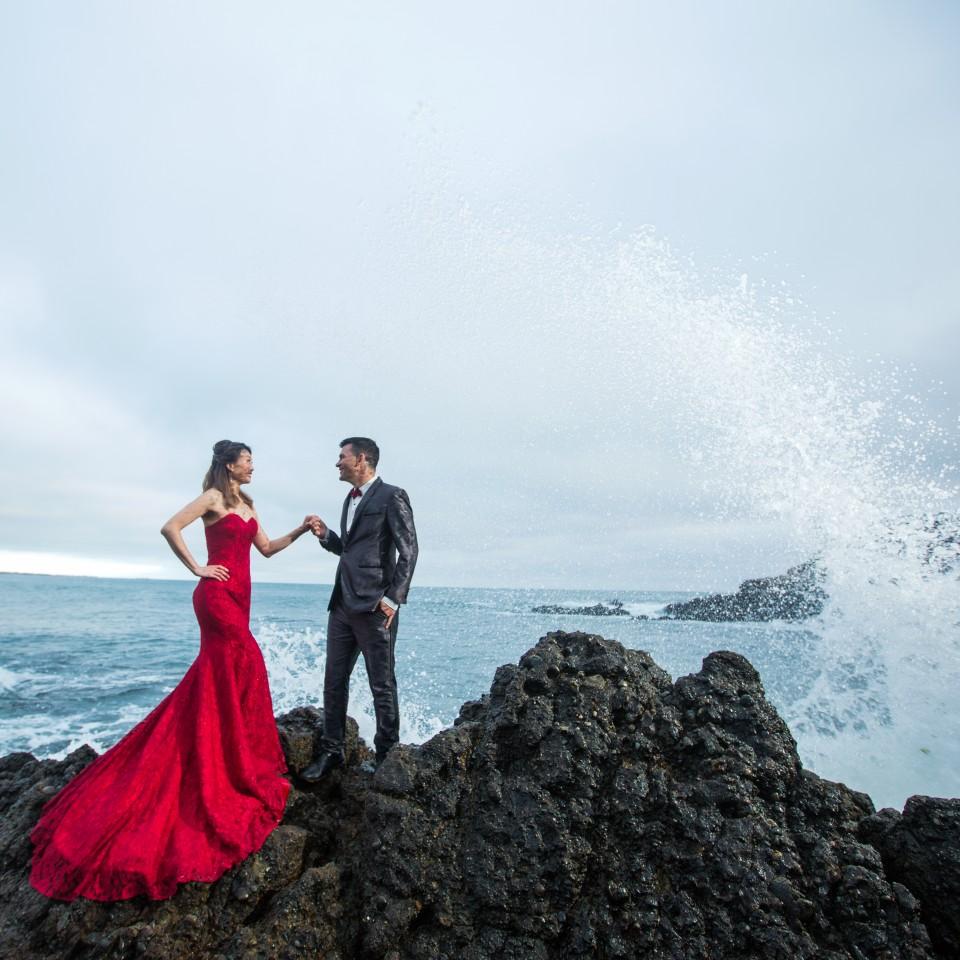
[587, 806]
[795, 595]
[614, 608]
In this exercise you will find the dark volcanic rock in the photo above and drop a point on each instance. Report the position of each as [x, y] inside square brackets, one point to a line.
[587, 807]
[921, 850]
[284, 902]
[612, 609]
[794, 595]
[300, 731]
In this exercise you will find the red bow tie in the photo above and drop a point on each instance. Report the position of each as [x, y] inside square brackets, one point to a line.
[356, 492]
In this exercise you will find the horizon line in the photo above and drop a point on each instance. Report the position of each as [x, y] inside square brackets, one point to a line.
[314, 583]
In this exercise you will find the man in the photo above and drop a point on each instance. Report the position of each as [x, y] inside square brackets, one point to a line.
[377, 547]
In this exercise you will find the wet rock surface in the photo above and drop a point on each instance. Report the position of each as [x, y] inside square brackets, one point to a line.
[614, 608]
[795, 595]
[587, 806]
[921, 850]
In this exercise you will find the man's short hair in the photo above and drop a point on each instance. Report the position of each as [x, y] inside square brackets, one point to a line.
[366, 446]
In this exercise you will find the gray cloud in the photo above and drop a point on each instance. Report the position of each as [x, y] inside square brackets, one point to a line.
[421, 224]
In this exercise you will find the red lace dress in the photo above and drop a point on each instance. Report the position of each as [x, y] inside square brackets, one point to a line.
[195, 787]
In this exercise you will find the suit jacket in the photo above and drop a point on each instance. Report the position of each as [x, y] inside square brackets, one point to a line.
[378, 554]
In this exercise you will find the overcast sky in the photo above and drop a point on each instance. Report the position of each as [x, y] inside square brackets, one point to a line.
[544, 253]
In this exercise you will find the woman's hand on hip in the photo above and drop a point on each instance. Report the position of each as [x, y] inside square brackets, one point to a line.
[213, 572]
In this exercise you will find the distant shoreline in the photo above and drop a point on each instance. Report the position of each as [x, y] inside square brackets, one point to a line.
[314, 583]
[93, 576]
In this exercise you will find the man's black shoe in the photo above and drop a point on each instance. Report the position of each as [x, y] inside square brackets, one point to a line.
[321, 766]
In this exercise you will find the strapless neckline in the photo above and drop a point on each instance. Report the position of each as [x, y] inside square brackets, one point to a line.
[224, 517]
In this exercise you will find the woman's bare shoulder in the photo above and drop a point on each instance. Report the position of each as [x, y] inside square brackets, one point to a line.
[214, 498]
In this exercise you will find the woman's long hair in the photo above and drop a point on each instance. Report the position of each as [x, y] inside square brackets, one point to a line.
[224, 452]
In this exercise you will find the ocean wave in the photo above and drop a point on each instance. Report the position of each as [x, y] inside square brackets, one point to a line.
[646, 609]
[55, 736]
[10, 679]
[296, 659]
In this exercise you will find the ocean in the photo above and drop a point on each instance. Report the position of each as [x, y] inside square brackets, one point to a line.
[83, 659]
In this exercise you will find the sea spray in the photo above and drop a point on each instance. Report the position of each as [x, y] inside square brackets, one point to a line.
[655, 413]
[295, 661]
[780, 427]
[618, 341]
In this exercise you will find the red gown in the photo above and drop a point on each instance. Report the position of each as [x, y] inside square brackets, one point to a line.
[197, 785]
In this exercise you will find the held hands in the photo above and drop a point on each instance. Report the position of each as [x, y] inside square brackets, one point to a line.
[214, 572]
[317, 527]
[308, 523]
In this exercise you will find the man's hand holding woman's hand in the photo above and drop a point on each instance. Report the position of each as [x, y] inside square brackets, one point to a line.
[308, 521]
[318, 527]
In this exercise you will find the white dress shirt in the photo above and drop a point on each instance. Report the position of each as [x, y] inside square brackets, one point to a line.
[352, 505]
[351, 510]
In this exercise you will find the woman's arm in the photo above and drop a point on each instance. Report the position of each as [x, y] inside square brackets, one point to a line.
[210, 501]
[269, 547]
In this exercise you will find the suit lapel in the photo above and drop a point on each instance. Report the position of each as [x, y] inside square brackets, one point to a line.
[364, 500]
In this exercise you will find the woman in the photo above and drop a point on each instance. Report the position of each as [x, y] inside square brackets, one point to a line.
[198, 785]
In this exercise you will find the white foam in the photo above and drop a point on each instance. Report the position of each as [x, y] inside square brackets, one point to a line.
[780, 428]
[9, 679]
[54, 737]
[295, 661]
[647, 609]
[772, 427]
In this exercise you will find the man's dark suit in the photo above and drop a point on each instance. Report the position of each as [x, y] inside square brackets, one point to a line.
[377, 558]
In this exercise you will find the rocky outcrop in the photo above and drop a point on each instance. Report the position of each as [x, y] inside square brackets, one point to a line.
[587, 806]
[282, 902]
[794, 595]
[614, 608]
[921, 850]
